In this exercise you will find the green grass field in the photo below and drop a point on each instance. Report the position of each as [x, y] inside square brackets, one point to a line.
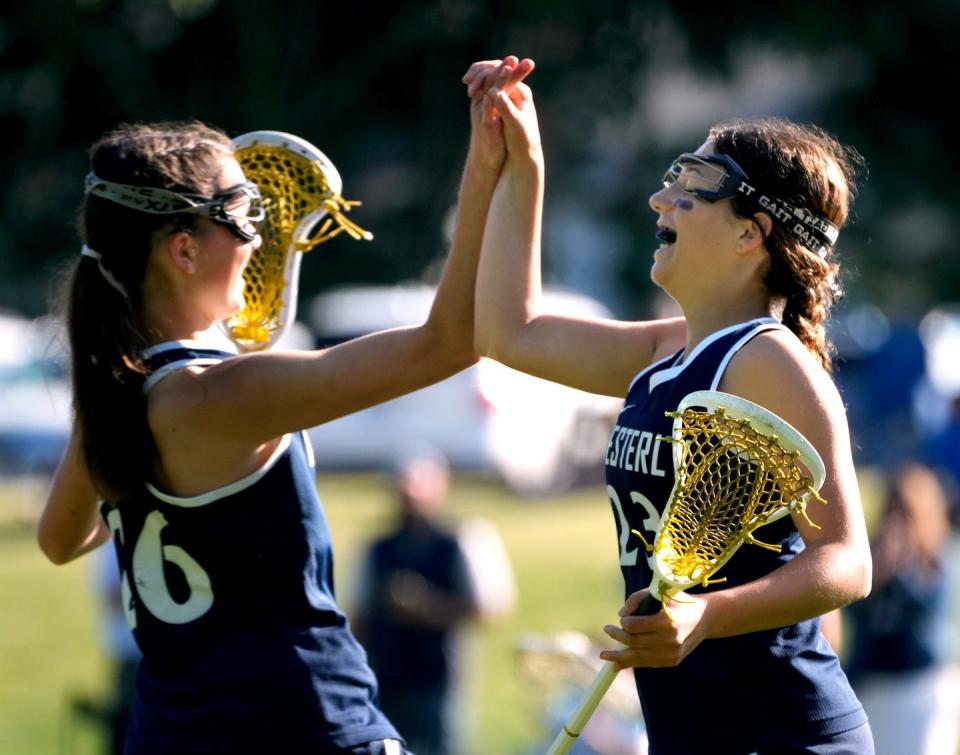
[562, 549]
[563, 553]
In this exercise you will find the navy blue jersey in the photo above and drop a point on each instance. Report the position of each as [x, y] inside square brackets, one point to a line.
[230, 597]
[786, 684]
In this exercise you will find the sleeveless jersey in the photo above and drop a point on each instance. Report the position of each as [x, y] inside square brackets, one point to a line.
[230, 597]
[731, 695]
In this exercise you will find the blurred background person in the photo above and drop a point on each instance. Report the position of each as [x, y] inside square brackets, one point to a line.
[942, 451]
[419, 586]
[899, 647]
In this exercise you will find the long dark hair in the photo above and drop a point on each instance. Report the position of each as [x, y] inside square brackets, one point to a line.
[105, 299]
[809, 168]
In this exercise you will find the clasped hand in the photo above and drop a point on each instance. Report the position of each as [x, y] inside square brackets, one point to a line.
[503, 116]
[661, 640]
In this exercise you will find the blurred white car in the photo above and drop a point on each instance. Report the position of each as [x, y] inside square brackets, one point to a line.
[35, 396]
[537, 435]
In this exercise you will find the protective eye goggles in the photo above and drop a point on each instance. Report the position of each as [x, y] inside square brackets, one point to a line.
[240, 207]
[715, 177]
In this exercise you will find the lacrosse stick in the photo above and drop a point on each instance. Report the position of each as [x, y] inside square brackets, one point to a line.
[301, 196]
[555, 662]
[736, 469]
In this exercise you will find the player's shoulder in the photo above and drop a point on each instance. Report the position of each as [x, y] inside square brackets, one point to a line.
[178, 390]
[195, 397]
[776, 370]
[201, 377]
[778, 350]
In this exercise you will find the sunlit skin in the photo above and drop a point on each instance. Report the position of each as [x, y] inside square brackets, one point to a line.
[195, 278]
[710, 237]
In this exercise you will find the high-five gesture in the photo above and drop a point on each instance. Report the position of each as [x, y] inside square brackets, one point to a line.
[486, 81]
[519, 117]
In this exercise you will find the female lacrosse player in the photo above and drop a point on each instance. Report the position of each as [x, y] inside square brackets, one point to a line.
[740, 667]
[207, 482]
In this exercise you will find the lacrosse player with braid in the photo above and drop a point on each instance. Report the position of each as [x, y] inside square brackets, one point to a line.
[193, 461]
[746, 227]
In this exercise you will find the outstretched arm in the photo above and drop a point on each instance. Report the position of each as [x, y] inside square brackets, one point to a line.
[601, 356]
[254, 398]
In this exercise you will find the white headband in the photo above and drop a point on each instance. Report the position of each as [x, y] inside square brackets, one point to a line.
[86, 251]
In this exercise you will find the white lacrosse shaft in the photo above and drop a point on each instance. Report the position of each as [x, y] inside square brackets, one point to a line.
[578, 720]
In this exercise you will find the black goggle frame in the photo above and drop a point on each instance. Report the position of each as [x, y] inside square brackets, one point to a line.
[817, 233]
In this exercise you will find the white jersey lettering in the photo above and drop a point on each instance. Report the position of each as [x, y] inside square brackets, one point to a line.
[655, 470]
[643, 450]
[635, 451]
[627, 434]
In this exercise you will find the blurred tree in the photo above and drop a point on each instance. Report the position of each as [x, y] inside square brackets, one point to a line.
[621, 87]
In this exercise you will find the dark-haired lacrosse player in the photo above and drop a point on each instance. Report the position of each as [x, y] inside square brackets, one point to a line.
[206, 479]
[746, 226]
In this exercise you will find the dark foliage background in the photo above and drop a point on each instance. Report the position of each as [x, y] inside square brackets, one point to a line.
[621, 88]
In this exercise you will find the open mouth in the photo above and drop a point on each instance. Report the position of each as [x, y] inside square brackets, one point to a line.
[666, 235]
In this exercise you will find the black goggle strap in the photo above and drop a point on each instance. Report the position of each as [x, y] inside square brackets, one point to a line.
[817, 233]
[156, 201]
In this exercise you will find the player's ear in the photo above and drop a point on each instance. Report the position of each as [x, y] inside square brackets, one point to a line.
[181, 250]
[755, 232]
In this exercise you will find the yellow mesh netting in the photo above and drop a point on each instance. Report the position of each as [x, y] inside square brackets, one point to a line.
[731, 480]
[293, 187]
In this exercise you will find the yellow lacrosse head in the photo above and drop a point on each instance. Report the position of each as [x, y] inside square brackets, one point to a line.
[301, 195]
[738, 467]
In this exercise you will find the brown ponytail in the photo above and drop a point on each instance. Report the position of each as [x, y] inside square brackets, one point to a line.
[105, 307]
[805, 166]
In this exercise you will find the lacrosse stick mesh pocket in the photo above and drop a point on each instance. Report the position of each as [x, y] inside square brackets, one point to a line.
[732, 479]
[294, 189]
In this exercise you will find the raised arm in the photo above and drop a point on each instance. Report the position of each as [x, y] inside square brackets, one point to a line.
[601, 356]
[255, 398]
[451, 319]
